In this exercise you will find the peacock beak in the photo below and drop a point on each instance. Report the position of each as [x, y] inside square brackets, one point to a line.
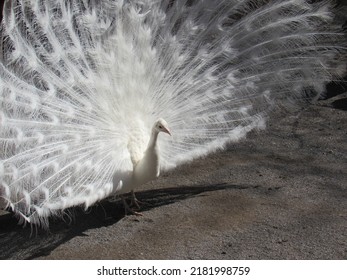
[168, 131]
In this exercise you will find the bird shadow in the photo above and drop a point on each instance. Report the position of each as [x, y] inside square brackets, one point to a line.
[18, 242]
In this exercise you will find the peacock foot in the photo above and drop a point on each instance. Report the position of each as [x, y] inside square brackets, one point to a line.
[137, 203]
[134, 202]
[129, 210]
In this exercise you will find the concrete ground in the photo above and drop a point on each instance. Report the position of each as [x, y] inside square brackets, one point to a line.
[279, 194]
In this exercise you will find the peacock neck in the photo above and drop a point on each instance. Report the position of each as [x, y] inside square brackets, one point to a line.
[152, 144]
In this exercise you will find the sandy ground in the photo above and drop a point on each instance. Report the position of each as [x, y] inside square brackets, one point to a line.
[279, 194]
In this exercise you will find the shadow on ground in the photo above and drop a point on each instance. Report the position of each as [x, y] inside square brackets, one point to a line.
[18, 242]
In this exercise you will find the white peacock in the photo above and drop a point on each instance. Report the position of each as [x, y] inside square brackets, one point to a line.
[86, 87]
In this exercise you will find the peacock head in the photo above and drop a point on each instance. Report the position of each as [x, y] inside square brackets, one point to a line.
[161, 126]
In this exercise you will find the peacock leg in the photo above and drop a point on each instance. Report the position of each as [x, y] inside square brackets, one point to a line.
[127, 209]
[137, 203]
[134, 201]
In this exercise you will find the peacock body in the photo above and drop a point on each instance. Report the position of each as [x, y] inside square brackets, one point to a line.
[83, 84]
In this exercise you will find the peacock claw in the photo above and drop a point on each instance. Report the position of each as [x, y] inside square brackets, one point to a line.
[132, 212]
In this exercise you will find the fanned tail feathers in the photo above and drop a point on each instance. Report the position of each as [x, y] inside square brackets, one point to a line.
[78, 77]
